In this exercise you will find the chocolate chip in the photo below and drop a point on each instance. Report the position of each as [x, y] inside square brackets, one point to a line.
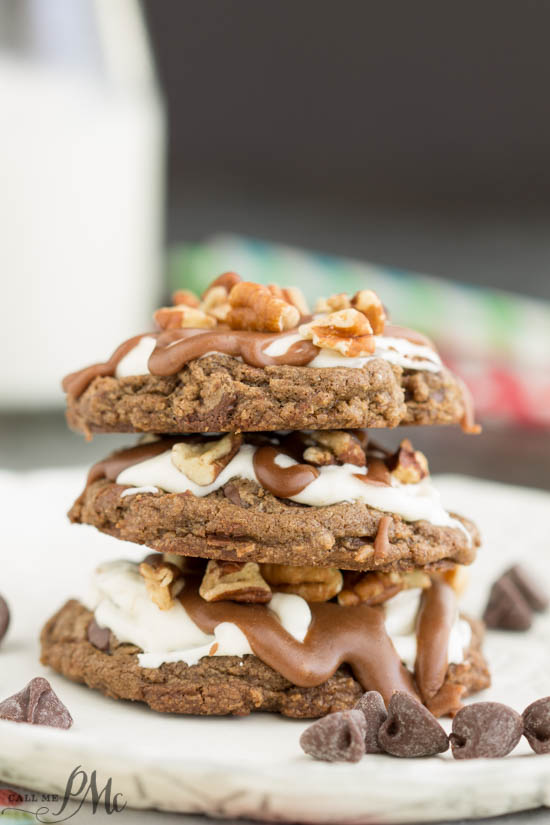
[529, 588]
[506, 608]
[410, 729]
[536, 725]
[373, 708]
[485, 730]
[99, 637]
[4, 617]
[36, 704]
[338, 737]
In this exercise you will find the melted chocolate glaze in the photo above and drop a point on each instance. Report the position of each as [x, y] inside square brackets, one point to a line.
[176, 347]
[337, 635]
[435, 621]
[281, 481]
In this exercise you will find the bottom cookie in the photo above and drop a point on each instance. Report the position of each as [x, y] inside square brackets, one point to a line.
[221, 685]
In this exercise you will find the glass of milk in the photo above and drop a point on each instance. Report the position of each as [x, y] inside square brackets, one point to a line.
[82, 146]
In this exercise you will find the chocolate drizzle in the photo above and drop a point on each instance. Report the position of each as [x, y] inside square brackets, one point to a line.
[382, 542]
[337, 635]
[75, 383]
[281, 481]
[436, 617]
[118, 461]
[176, 347]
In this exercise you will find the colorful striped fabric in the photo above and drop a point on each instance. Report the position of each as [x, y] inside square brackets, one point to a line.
[499, 342]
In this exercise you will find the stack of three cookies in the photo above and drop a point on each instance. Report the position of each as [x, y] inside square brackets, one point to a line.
[291, 562]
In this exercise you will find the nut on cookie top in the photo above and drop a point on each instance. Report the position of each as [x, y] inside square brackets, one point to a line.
[265, 326]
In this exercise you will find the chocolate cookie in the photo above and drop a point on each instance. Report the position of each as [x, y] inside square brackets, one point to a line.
[244, 522]
[219, 393]
[216, 685]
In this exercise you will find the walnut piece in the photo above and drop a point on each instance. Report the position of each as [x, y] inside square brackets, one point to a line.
[375, 588]
[407, 465]
[347, 331]
[314, 584]
[334, 303]
[163, 581]
[334, 446]
[457, 578]
[186, 297]
[293, 295]
[254, 307]
[226, 279]
[368, 302]
[202, 462]
[215, 302]
[183, 316]
[235, 581]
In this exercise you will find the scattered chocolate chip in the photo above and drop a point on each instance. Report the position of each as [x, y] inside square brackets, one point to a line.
[529, 588]
[506, 608]
[485, 730]
[99, 637]
[373, 708]
[536, 725]
[36, 704]
[410, 729]
[338, 737]
[4, 617]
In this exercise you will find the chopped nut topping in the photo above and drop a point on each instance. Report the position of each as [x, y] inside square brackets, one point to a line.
[226, 279]
[407, 465]
[332, 446]
[319, 456]
[163, 581]
[314, 584]
[185, 297]
[293, 295]
[457, 577]
[375, 588]
[203, 462]
[183, 316]
[254, 307]
[347, 331]
[368, 302]
[215, 302]
[235, 581]
[334, 303]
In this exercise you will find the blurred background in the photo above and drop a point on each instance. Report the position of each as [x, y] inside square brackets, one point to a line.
[399, 146]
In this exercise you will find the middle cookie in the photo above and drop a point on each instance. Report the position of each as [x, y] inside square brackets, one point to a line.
[323, 498]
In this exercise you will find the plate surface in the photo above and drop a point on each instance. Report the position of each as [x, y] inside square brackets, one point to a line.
[253, 767]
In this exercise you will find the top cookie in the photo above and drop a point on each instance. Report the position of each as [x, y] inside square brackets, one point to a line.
[247, 357]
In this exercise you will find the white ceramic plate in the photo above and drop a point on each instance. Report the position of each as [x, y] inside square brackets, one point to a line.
[253, 767]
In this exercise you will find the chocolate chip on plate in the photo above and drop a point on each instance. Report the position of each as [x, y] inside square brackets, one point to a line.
[99, 637]
[372, 706]
[529, 588]
[536, 725]
[338, 737]
[410, 729]
[4, 617]
[36, 704]
[485, 730]
[507, 608]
